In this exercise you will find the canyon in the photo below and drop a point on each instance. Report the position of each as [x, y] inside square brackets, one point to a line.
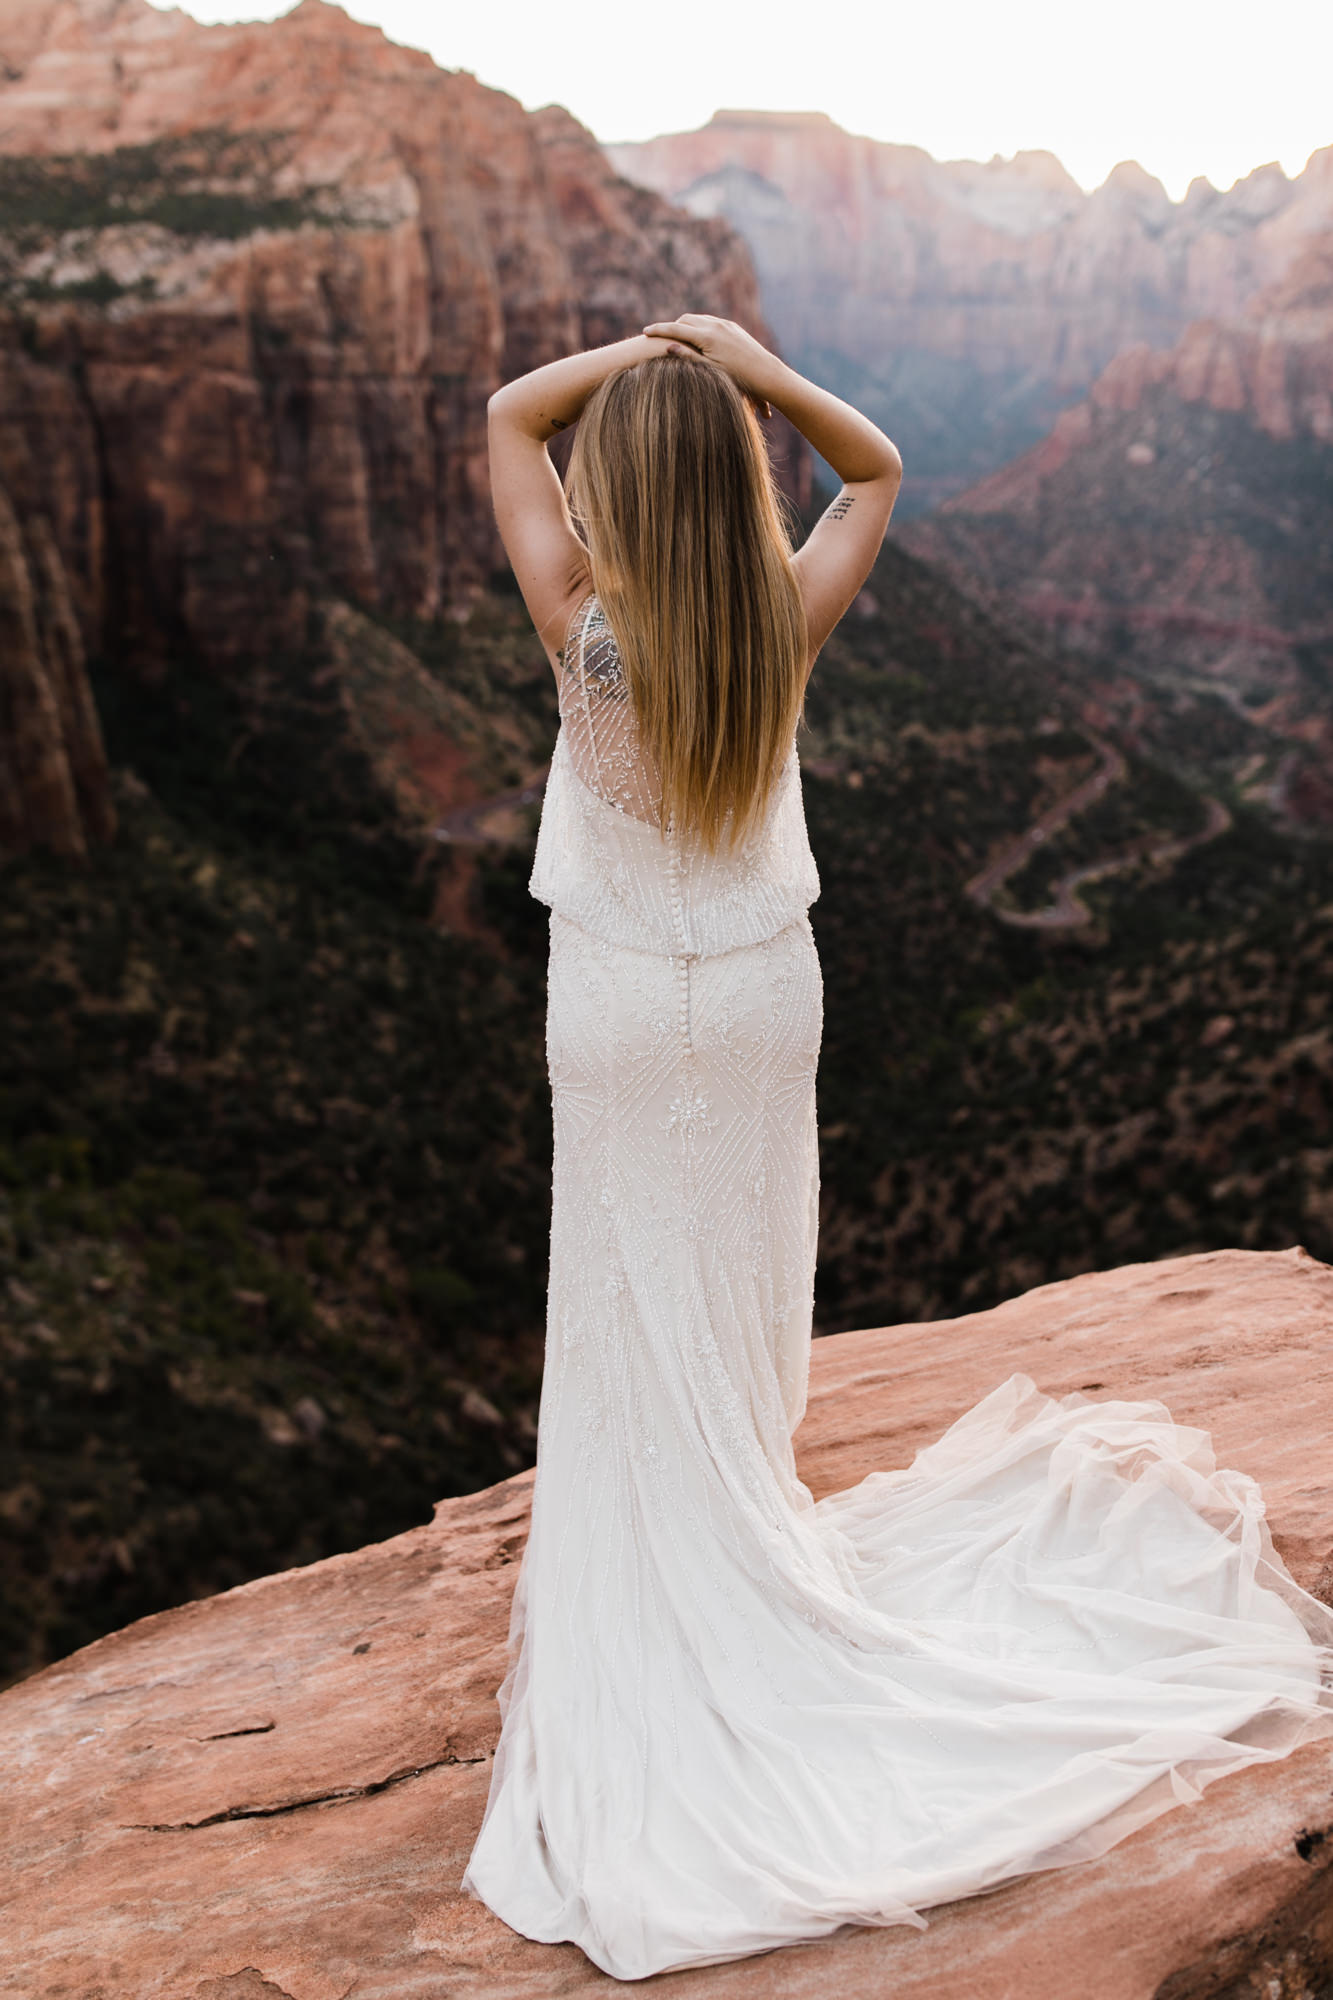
[964, 303]
[1114, 409]
[1176, 525]
[273, 1117]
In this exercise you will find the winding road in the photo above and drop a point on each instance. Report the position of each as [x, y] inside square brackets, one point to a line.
[983, 887]
[1068, 911]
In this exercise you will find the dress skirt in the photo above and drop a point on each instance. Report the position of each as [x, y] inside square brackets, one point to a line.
[735, 1718]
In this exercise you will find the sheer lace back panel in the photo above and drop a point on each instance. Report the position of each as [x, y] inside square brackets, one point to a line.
[604, 859]
[598, 720]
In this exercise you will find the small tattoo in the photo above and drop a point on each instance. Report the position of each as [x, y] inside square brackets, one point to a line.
[842, 505]
[557, 423]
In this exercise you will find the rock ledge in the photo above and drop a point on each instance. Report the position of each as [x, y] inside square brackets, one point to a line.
[273, 1792]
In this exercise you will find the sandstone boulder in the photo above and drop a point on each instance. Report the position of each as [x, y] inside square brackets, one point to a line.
[274, 1791]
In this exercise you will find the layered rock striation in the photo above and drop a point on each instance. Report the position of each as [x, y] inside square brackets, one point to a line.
[256, 284]
[53, 770]
[276, 1790]
[1178, 522]
[964, 303]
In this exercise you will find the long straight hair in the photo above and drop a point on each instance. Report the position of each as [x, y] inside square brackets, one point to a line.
[671, 488]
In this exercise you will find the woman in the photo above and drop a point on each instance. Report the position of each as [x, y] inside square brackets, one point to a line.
[734, 1718]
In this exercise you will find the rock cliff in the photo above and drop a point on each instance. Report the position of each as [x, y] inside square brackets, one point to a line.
[274, 1791]
[53, 771]
[256, 284]
[965, 302]
[1178, 522]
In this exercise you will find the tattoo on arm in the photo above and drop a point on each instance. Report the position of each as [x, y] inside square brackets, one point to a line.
[842, 505]
[557, 423]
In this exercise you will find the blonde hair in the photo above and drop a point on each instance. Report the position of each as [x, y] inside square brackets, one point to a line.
[671, 488]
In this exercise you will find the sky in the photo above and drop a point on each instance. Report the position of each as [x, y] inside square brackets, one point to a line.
[1185, 87]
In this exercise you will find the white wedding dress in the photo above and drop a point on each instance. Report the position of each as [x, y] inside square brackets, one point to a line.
[735, 1718]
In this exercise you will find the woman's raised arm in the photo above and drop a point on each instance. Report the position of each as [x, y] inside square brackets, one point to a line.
[840, 552]
[548, 559]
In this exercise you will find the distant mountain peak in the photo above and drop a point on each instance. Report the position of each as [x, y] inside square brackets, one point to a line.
[965, 303]
[1129, 178]
[804, 120]
[1037, 163]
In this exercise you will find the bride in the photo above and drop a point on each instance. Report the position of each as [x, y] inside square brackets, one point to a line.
[735, 1718]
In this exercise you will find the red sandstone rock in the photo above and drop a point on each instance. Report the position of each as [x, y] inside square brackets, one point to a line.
[867, 247]
[255, 419]
[1274, 367]
[1178, 519]
[53, 776]
[314, 400]
[274, 1791]
[964, 303]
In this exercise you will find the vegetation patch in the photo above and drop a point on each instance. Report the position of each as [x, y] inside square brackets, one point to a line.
[212, 183]
[207, 186]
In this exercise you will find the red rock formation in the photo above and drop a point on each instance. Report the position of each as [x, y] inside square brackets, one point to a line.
[53, 776]
[1179, 520]
[964, 302]
[1274, 367]
[275, 1790]
[52, 765]
[259, 349]
[1178, 524]
[1008, 260]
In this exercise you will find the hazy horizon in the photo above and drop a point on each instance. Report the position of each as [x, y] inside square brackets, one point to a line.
[613, 139]
[1174, 85]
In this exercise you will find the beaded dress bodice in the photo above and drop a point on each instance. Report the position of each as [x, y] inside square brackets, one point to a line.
[604, 859]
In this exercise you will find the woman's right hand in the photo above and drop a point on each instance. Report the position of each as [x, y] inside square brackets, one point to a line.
[750, 366]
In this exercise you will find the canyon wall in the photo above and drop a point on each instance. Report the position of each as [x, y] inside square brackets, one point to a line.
[964, 303]
[256, 284]
[1177, 523]
[53, 775]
